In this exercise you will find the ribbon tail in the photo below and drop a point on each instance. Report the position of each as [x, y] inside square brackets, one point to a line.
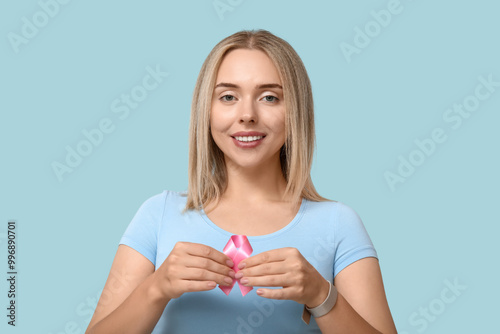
[227, 288]
[244, 289]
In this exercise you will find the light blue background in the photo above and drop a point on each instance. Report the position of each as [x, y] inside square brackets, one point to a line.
[440, 224]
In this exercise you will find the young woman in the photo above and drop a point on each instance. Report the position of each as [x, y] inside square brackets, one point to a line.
[251, 149]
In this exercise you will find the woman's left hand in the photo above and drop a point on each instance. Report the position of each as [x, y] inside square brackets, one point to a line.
[287, 268]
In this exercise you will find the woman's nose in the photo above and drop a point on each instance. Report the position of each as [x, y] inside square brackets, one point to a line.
[248, 112]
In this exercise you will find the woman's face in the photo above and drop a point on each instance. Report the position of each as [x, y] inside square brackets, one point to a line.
[247, 119]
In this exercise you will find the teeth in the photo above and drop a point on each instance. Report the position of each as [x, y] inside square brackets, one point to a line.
[249, 138]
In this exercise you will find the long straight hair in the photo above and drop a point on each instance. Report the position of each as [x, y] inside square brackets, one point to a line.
[207, 169]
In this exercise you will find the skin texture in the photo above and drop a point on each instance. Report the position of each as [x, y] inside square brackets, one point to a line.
[135, 295]
[246, 107]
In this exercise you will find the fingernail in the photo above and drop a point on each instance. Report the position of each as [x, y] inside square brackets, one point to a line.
[228, 280]
[238, 275]
[244, 280]
[231, 274]
[229, 263]
[241, 265]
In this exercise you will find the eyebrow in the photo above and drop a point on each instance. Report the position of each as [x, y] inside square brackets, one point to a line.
[263, 86]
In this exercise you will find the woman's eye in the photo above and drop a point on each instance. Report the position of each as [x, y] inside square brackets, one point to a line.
[227, 98]
[270, 98]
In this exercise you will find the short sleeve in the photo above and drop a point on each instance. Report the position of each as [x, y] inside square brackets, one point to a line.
[352, 241]
[142, 232]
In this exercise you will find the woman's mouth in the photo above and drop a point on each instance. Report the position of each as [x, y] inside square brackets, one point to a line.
[247, 141]
[248, 138]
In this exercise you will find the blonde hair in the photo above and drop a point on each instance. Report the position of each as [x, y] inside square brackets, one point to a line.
[207, 169]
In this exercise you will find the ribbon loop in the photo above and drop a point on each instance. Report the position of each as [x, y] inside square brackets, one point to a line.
[237, 248]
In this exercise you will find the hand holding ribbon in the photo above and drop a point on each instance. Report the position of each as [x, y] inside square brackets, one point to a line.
[192, 267]
[286, 268]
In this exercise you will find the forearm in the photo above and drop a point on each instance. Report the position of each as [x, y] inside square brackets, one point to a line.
[344, 319]
[139, 313]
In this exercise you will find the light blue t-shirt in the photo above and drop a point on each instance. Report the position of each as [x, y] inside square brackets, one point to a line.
[330, 235]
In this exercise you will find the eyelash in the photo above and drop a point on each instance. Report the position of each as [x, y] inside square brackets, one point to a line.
[275, 99]
[224, 98]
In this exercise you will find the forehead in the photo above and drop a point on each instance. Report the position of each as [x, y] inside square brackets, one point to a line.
[244, 65]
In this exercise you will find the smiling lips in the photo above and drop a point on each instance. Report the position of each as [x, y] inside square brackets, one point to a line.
[248, 139]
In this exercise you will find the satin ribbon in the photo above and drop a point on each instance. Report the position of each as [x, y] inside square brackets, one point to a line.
[237, 248]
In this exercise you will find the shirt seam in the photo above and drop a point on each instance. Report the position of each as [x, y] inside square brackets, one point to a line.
[355, 253]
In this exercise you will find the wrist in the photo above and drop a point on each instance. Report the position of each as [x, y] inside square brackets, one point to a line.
[322, 309]
[153, 291]
[320, 296]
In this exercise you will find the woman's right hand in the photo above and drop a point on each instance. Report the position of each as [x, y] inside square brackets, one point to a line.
[192, 267]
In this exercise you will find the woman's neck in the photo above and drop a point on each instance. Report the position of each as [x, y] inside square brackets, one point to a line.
[256, 185]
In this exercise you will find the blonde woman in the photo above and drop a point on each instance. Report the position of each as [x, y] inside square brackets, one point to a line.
[313, 268]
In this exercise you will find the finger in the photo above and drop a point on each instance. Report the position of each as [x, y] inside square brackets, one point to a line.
[268, 268]
[206, 251]
[198, 274]
[191, 286]
[284, 293]
[271, 280]
[208, 264]
[273, 255]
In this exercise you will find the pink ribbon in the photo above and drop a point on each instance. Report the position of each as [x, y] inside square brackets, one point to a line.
[237, 248]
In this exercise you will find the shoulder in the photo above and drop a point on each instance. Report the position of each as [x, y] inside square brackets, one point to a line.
[166, 200]
[164, 197]
[334, 210]
[341, 218]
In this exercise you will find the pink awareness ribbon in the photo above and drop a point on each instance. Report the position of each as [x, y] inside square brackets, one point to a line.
[237, 248]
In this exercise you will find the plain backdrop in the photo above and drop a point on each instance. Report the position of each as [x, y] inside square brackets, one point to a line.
[385, 75]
